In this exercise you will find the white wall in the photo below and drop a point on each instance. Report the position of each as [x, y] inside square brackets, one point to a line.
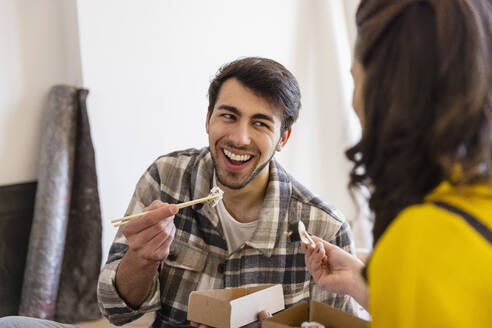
[147, 65]
[327, 124]
[39, 48]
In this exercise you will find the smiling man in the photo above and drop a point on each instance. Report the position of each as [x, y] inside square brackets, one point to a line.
[250, 237]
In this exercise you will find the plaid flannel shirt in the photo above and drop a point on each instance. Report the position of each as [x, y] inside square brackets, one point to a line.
[199, 247]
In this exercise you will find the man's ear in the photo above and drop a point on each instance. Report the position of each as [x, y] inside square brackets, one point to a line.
[283, 139]
[206, 121]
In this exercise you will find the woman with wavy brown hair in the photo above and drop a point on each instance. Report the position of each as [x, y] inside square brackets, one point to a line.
[423, 79]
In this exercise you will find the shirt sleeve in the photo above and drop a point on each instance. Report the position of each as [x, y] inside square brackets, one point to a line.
[114, 307]
[111, 304]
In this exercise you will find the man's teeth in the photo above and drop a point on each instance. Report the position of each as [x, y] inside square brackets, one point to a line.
[234, 157]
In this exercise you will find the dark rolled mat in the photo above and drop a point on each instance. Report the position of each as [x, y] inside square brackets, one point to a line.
[64, 254]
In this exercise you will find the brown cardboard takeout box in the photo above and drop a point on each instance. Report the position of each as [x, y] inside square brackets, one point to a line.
[319, 312]
[234, 307]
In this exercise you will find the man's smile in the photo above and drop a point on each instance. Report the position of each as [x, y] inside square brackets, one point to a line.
[237, 157]
[236, 161]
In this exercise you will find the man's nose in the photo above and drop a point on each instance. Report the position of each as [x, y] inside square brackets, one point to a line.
[240, 136]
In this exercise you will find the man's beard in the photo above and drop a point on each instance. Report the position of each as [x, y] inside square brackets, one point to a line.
[253, 174]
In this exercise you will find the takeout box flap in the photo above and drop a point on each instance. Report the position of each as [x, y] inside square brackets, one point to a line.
[292, 317]
[331, 317]
[234, 307]
[319, 312]
[210, 309]
[245, 310]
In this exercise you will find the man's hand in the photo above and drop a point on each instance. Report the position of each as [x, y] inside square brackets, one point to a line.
[149, 238]
[257, 324]
[335, 270]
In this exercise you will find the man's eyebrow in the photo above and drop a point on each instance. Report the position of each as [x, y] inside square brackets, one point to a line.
[229, 108]
[263, 117]
[238, 113]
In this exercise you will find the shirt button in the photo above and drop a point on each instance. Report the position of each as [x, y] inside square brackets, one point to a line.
[220, 268]
[172, 257]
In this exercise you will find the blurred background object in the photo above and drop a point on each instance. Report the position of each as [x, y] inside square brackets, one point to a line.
[64, 254]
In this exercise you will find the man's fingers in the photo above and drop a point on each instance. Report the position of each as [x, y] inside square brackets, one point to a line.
[163, 212]
[141, 238]
[162, 251]
[151, 235]
[154, 205]
[142, 225]
[263, 315]
[157, 249]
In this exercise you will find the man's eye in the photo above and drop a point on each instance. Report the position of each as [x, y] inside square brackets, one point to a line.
[261, 124]
[228, 116]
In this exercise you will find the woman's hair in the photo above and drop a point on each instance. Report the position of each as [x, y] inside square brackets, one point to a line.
[427, 100]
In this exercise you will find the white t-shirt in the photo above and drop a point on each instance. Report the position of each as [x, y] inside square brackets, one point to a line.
[236, 233]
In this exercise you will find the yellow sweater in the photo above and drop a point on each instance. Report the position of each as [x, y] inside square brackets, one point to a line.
[431, 269]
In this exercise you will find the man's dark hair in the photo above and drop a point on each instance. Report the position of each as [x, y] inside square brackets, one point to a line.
[266, 78]
[427, 100]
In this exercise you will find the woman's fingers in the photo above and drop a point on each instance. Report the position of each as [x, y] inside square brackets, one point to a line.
[318, 255]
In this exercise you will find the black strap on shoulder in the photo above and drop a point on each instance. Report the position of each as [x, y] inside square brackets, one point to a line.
[481, 228]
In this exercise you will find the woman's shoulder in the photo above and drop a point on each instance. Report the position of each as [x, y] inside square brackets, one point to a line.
[416, 222]
[430, 218]
[429, 224]
[428, 232]
[428, 253]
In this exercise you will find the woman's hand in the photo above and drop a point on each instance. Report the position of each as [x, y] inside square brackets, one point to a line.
[335, 270]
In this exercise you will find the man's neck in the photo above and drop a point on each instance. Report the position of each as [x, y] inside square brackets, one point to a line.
[245, 204]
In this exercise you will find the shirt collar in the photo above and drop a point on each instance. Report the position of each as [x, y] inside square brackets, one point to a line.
[201, 183]
[275, 206]
[274, 211]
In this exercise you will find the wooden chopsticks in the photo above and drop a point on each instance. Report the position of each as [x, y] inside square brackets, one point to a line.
[212, 196]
